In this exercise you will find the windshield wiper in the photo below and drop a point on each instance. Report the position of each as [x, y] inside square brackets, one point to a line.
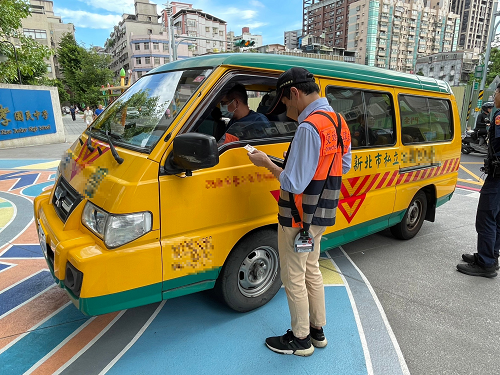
[117, 157]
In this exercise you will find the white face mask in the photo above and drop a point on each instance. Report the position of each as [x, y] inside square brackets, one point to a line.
[223, 108]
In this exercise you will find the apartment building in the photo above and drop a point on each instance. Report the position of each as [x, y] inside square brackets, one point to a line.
[453, 67]
[292, 39]
[139, 43]
[189, 22]
[475, 16]
[393, 34]
[327, 19]
[47, 29]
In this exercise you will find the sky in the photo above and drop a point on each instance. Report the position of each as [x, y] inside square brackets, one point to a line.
[94, 19]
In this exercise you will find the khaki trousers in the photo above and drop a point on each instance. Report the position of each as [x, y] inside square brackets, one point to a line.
[302, 280]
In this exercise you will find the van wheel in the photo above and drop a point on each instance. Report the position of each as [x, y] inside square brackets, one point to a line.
[413, 218]
[251, 274]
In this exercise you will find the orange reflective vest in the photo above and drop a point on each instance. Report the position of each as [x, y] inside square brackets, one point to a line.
[317, 204]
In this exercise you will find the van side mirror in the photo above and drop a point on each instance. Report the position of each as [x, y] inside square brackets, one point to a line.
[192, 151]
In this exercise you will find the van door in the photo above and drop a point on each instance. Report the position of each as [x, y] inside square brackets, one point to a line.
[205, 215]
[367, 194]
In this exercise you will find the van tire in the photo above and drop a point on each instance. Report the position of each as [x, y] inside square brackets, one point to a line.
[413, 218]
[250, 276]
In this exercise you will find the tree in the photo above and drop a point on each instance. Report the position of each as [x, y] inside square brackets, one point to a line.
[493, 66]
[84, 71]
[31, 56]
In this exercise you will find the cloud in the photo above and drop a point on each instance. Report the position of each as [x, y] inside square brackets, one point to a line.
[115, 6]
[255, 25]
[245, 14]
[256, 3]
[89, 20]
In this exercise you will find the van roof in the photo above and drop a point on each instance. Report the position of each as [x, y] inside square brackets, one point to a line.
[319, 67]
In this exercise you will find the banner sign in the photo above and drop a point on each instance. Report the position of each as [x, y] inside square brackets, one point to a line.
[25, 113]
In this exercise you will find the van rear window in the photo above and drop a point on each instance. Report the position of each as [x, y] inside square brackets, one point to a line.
[425, 119]
[140, 117]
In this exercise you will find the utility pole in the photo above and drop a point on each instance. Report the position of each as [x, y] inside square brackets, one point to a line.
[491, 35]
[168, 13]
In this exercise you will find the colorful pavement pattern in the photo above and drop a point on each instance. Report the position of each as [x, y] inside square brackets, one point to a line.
[41, 332]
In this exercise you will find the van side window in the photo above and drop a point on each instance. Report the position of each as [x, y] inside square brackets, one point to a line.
[425, 119]
[255, 128]
[369, 115]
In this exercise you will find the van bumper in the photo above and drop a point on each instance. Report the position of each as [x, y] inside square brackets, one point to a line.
[97, 280]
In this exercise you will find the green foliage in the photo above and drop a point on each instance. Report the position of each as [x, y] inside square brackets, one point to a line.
[63, 94]
[84, 71]
[494, 66]
[31, 55]
[419, 73]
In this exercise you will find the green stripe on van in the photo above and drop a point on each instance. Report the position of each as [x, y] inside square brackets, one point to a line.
[355, 232]
[321, 68]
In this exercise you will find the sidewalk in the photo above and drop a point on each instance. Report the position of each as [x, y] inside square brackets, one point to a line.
[72, 129]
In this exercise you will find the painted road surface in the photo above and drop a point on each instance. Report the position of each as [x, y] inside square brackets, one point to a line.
[41, 332]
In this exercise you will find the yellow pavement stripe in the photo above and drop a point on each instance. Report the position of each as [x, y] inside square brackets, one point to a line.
[471, 162]
[331, 276]
[47, 165]
[472, 174]
[469, 181]
[6, 214]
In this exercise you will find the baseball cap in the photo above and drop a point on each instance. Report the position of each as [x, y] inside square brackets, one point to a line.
[288, 78]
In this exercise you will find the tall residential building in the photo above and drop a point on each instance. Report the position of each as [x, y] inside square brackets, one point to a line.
[139, 43]
[326, 19]
[47, 29]
[246, 35]
[392, 34]
[475, 18]
[230, 41]
[189, 22]
[292, 39]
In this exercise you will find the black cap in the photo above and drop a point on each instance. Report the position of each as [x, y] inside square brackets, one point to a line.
[292, 76]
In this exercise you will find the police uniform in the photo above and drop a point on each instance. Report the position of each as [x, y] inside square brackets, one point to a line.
[485, 261]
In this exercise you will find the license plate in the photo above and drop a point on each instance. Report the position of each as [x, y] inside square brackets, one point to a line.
[42, 239]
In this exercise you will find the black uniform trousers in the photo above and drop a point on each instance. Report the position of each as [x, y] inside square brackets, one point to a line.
[488, 222]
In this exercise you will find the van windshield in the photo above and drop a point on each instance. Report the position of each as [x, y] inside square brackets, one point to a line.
[140, 117]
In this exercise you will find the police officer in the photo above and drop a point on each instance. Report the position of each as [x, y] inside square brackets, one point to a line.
[483, 120]
[485, 261]
[310, 186]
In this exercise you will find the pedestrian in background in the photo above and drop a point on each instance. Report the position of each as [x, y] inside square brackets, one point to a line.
[72, 110]
[98, 111]
[310, 187]
[88, 115]
[485, 261]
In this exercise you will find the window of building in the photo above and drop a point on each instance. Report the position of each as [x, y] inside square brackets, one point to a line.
[147, 60]
[165, 46]
[138, 61]
[207, 29]
[146, 46]
[149, 18]
[139, 74]
[35, 33]
[49, 68]
[221, 33]
[156, 46]
[191, 23]
[165, 60]
[137, 46]
[157, 61]
[150, 31]
[425, 119]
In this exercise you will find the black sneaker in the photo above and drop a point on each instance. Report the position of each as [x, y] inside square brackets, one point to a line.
[289, 344]
[318, 338]
[474, 269]
[471, 258]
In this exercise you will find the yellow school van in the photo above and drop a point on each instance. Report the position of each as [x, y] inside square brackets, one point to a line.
[149, 204]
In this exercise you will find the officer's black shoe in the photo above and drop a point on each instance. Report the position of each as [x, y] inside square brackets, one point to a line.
[471, 258]
[289, 344]
[474, 269]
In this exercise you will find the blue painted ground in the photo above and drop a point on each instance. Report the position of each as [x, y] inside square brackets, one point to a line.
[13, 163]
[35, 345]
[23, 251]
[193, 335]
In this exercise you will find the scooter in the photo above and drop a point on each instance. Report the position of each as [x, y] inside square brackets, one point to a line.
[473, 143]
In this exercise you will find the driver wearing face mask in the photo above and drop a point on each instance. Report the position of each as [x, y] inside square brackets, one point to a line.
[235, 103]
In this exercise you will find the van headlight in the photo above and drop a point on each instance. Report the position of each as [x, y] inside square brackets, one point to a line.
[116, 230]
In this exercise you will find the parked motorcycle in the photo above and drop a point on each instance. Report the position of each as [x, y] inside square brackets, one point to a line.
[471, 142]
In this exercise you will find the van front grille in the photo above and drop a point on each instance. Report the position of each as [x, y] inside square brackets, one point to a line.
[65, 199]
